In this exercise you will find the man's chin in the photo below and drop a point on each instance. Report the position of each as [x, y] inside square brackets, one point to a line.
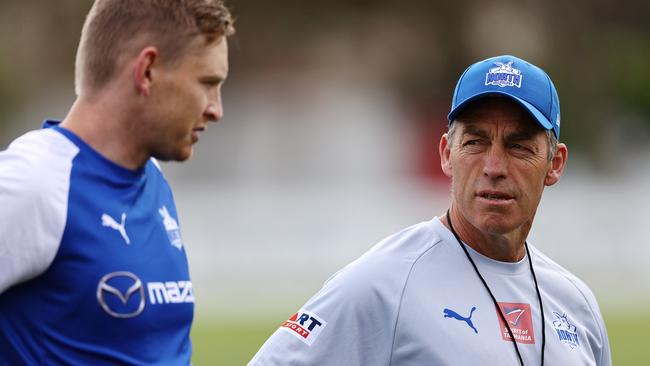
[180, 156]
[184, 156]
[496, 224]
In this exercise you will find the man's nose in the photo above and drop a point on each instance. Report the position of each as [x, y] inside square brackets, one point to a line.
[495, 162]
[214, 110]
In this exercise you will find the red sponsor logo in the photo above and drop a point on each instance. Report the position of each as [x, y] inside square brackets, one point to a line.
[291, 325]
[519, 319]
[306, 325]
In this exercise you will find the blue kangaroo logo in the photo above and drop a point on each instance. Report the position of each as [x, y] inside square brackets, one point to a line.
[452, 314]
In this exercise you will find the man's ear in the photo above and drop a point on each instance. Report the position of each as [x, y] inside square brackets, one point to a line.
[557, 165]
[144, 69]
[444, 149]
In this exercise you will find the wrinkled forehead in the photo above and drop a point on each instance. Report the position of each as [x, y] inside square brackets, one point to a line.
[499, 112]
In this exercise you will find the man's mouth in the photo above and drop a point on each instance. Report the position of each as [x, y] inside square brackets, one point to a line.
[495, 196]
[195, 133]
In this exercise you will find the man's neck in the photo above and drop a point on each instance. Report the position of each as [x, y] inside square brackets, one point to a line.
[104, 125]
[508, 247]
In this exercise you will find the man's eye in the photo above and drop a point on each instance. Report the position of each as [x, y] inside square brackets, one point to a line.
[521, 148]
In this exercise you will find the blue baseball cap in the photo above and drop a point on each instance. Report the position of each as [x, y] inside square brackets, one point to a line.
[514, 78]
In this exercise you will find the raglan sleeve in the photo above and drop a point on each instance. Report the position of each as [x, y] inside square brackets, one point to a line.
[350, 321]
[603, 354]
[33, 199]
[596, 331]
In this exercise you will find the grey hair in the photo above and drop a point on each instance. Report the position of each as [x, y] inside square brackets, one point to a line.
[552, 140]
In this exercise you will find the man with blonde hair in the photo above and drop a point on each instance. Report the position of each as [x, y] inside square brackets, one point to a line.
[93, 268]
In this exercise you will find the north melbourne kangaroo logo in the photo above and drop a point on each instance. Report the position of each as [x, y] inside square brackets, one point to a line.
[452, 314]
[110, 222]
[171, 226]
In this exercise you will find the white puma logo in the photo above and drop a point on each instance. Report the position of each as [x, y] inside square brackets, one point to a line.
[110, 222]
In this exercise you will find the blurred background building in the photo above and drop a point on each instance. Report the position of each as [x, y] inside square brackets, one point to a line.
[333, 115]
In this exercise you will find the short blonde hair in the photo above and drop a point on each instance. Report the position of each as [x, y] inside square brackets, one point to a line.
[114, 28]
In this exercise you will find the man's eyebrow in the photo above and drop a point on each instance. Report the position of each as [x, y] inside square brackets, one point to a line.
[212, 79]
[521, 135]
[473, 130]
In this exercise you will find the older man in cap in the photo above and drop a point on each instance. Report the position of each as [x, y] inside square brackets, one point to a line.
[464, 288]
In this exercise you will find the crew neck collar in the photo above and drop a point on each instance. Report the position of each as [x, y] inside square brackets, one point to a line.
[485, 263]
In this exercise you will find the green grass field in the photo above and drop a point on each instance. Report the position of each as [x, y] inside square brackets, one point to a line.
[234, 342]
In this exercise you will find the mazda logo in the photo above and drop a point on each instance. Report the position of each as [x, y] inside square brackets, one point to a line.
[121, 294]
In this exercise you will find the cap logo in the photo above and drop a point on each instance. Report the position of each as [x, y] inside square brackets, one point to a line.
[504, 75]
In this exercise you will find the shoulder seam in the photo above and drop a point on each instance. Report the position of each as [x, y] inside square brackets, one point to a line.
[401, 298]
[591, 309]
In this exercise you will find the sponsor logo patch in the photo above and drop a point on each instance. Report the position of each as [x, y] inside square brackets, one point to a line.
[122, 294]
[566, 332]
[170, 292]
[504, 75]
[520, 320]
[305, 325]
